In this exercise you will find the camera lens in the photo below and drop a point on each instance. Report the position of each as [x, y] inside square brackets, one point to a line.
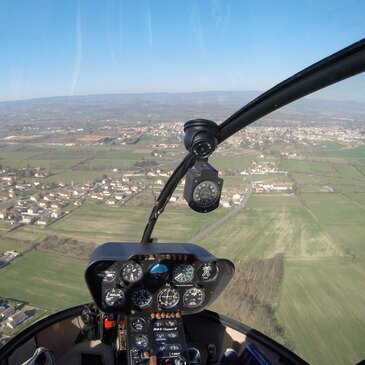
[202, 149]
[201, 137]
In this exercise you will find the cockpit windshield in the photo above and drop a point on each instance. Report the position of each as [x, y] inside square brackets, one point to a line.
[93, 101]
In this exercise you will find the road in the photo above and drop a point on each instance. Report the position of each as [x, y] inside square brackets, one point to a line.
[208, 230]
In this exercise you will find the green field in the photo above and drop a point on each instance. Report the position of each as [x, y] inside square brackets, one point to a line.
[7, 244]
[77, 177]
[181, 226]
[272, 224]
[101, 223]
[272, 178]
[323, 168]
[323, 242]
[355, 155]
[239, 160]
[322, 309]
[295, 166]
[334, 209]
[322, 234]
[358, 198]
[348, 171]
[45, 281]
[231, 182]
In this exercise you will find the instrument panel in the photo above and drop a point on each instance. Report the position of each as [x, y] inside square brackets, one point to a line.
[164, 281]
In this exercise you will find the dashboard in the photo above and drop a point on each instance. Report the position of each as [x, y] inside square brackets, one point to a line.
[156, 278]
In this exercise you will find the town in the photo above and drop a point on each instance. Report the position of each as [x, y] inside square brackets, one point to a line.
[29, 197]
[40, 203]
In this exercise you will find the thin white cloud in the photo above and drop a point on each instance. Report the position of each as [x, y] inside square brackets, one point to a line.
[149, 25]
[197, 28]
[78, 53]
[110, 15]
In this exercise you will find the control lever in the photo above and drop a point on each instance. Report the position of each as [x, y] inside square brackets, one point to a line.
[212, 354]
[90, 316]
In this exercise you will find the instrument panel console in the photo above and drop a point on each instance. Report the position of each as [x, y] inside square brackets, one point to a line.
[178, 277]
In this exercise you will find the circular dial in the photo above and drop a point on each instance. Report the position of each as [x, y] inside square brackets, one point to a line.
[114, 297]
[106, 272]
[138, 324]
[208, 271]
[142, 298]
[193, 297]
[141, 341]
[183, 273]
[132, 272]
[206, 193]
[168, 298]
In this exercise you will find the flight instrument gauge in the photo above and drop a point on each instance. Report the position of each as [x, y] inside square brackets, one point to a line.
[132, 272]
[106, 272]
[138, 324]
[114, 297]
[183, 273]
[141, 341]
[168, 298]
[193, 297]
[142, 298]
[206, 194]
[208, 271]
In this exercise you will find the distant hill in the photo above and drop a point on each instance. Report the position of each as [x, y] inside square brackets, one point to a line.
[152, 107]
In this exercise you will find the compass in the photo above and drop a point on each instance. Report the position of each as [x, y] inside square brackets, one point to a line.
[206, 194]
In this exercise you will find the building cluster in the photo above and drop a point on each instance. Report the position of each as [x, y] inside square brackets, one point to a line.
[263, 187]
[12, 316]
[31, 202]
[115, 190]
[40, 203]
[7, 256]
[261, 137]
[263, 168]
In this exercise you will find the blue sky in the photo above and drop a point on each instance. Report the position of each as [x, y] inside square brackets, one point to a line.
[66, 47]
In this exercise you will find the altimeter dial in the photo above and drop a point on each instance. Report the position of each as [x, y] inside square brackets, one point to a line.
[132, 272]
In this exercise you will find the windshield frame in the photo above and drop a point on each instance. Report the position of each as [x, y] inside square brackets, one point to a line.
[337, 67]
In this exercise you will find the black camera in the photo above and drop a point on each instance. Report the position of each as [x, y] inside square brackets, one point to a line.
[201, 137]
[202, 185]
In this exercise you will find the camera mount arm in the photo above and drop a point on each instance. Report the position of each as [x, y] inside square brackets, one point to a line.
[165, 196]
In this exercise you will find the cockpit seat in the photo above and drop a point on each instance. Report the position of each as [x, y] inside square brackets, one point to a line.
[41, 356]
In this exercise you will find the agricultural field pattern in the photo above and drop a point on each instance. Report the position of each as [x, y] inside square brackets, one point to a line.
[299, 237]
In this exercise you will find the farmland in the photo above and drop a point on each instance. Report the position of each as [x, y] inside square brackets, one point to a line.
[45, 281]
[313, 295]
[317, 230]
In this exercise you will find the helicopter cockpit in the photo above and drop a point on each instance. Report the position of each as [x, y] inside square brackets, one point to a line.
[150, 299]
